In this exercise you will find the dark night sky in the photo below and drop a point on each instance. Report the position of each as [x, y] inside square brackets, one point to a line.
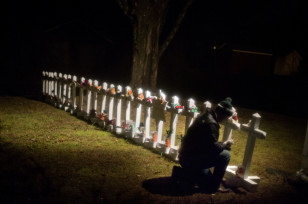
[273, 26]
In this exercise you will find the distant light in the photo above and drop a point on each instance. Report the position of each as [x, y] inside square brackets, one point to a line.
[252, 52]
[214, 47]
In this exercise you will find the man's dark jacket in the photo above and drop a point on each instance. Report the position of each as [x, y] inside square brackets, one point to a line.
[201, 139]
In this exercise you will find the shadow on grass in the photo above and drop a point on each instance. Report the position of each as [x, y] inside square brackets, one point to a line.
[164, 186]
[22, 179]
[168, 187]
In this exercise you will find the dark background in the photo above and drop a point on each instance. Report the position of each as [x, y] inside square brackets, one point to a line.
[94, 39]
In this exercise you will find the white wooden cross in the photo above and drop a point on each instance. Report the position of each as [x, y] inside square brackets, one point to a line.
[190, 115]
[55, 87]
[104, 96]
[253, 132]
[230, 124]
[128, 103]
[160, 124]
[51, 84]
[159, 108]
[147, 118]
[119, 110]
[48, 83]
[69, 93]
[250, 183]
[60, 92]
[64, 93]
[111, 103]
[94, 105]
[138, 112]
[69, 90]
[45, 80]
[207, 105]
[74, 104]
[81, 92]
[44, 83]
[89, 96]
[173, 123]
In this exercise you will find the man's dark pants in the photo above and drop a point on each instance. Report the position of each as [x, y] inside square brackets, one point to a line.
[197, 169]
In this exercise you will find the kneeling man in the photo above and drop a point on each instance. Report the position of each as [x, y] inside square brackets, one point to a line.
[200, 149]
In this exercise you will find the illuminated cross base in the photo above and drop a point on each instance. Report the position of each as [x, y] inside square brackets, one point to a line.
[66, 108]
[250, 183]
[172, 152]
[73, 111]
[129, 133]
[128, 128]
[150, 143]
[59, 105]
[161, 147]
[110, 128]
[139, 138]
[101, 123]
[118, 130]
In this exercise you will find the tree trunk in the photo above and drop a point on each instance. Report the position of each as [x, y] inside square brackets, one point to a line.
[148, 18]
[147, 29]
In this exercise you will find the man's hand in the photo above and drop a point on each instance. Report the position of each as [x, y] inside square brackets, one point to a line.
[228, 144]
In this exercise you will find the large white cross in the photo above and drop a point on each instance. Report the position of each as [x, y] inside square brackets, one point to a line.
[230, 125]
[250, 183]
[253, 132]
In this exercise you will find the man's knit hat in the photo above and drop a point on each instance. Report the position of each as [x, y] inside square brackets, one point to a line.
[225, 107]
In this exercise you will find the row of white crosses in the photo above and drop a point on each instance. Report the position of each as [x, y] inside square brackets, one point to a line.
[59, 86]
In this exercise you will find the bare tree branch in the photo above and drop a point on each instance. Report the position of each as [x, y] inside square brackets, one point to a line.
[175, 28]
[128, 8]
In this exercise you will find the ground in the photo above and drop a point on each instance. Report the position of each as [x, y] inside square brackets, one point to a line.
[49, 156]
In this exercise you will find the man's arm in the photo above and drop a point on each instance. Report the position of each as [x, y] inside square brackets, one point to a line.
[213, 139]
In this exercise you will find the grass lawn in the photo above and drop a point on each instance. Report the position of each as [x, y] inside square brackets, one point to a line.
[49, 156]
